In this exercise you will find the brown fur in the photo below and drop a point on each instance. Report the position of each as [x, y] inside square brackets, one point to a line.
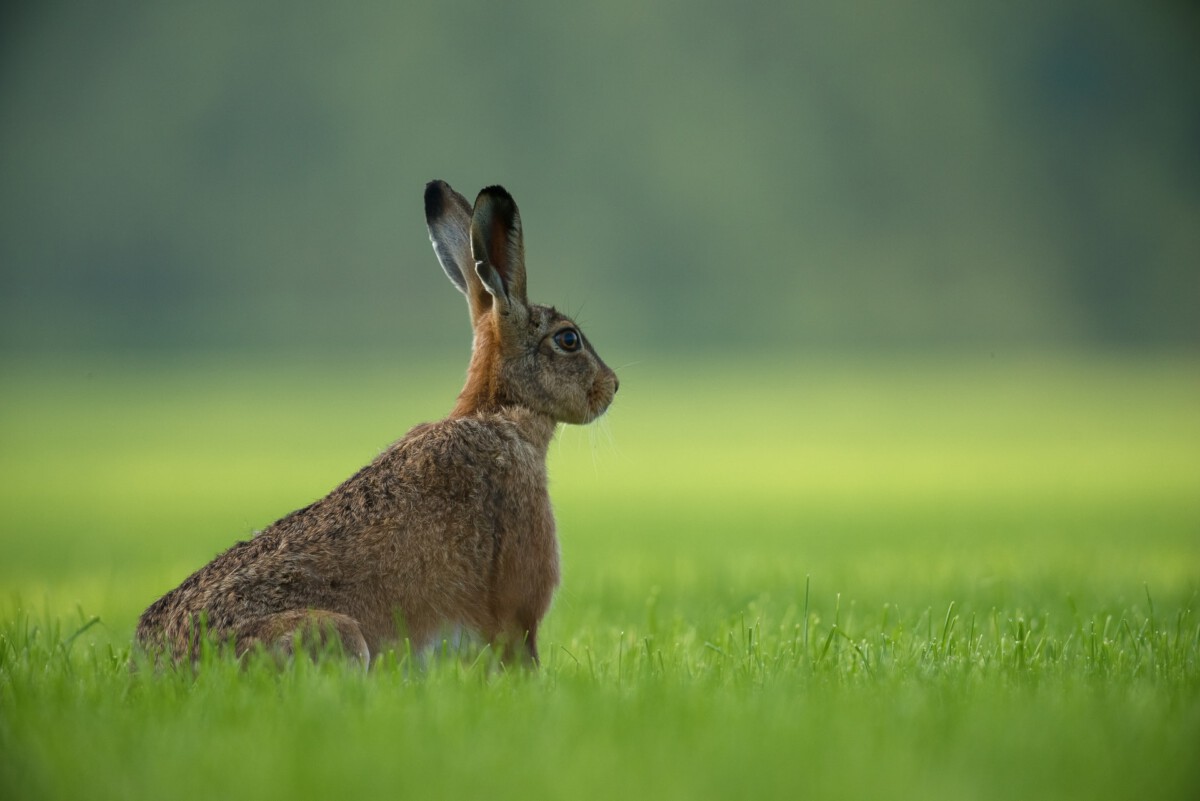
[452, 524]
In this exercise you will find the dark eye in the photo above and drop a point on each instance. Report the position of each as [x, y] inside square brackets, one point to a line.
[568, 339]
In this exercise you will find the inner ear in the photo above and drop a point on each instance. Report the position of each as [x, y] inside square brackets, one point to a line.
[497, 245]
[492, 280]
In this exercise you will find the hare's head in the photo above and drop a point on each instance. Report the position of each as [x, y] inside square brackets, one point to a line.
[523, 354]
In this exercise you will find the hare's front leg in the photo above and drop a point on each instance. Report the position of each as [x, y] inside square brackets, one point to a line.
[525, 579]
[312, 629]
[530, 645]
[516, 642]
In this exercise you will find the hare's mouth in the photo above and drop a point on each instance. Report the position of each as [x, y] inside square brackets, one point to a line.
[600, 397]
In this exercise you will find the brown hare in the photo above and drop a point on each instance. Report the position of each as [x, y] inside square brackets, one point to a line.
[451, 525]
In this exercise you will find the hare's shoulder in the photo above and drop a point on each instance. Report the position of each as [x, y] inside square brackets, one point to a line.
[484, 442]
[459, 458]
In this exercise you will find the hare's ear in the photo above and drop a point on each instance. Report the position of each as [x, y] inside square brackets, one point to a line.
[448, 217]
[498, 248]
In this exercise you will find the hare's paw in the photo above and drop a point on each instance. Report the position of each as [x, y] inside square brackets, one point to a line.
[315, 632]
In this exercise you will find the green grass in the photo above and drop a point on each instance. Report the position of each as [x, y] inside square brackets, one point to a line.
[929, 579]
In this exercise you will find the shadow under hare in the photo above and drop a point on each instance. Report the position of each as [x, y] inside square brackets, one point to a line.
[451, 525]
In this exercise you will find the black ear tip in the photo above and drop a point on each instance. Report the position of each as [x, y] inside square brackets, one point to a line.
[496, 201]
[435, 198]
[496, 192]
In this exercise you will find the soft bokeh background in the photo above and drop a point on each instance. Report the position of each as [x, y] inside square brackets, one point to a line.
[902, 296]
[695, 177]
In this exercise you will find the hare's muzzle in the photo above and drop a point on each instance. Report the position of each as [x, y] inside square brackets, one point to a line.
[601, 395]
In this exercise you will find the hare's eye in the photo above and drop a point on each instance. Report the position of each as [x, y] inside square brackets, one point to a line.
[568, 339]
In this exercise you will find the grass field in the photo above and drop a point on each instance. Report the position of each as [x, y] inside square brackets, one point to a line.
[956, 578]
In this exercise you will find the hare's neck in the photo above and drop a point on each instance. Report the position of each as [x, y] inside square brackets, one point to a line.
[536, 429]
[475, 398]
[483, 391]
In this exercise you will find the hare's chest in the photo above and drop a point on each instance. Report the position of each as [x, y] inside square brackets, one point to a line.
[525, 522]
[523, 502]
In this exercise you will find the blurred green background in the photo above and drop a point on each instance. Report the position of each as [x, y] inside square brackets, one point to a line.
[903, 300]
[694, 177]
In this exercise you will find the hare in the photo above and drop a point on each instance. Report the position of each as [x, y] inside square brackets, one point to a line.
[449, 526]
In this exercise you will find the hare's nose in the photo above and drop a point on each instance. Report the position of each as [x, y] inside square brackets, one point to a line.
[616, 384]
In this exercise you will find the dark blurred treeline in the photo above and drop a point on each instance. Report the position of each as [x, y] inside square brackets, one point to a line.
[693, 175]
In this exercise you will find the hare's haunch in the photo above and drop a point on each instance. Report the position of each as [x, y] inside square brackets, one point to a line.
[452, 524]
